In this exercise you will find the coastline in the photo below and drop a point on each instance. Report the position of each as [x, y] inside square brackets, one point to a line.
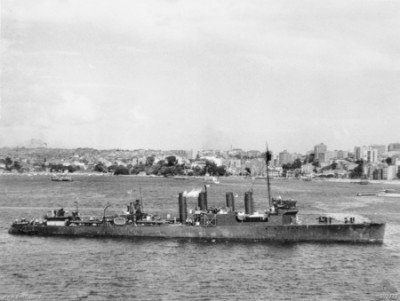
[97, 174]
[357, 181]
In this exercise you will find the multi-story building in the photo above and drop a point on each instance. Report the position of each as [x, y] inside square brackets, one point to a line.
[209, 152]
[381, 149]
[396, 162]
[198, 163]
[216, 160]
[325, 157]
[330, 155]
[389, 172]
[253, 154]
[372, 155]
[321, 157]
[394, 147]
[180, 153]
[233, 166]
[285, 157]
[320, 152]
[359, 152]
[366, 153]
[297, 156]
[341, 154]
[320, 148]
[236, 152]
[233, 163]
[274, 161]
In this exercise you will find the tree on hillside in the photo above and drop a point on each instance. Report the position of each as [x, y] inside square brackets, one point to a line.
[296, 164]
[137, 168]
[56, 167]
[221, 170]
[134, 170]
[167, 171]
[179, 169]
[292, 166]
[100, 167]
[156, 168]
[210, 168]
[70, 168]
[197, 171]
[150, 161]
[171, 160]
[17, 165]
[9, 163]
[316, 163]
[358, 171]
[112, 168]
[121, 170]
[309, 158]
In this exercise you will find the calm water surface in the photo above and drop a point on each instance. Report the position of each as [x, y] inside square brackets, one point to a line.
[38, 268]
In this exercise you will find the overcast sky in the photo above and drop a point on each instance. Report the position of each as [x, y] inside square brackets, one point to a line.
[200, 74]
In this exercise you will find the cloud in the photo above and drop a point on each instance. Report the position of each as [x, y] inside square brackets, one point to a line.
[138, 115]
[74, 109]
[218, 72]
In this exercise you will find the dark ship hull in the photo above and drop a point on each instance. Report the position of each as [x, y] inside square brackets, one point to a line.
[255, 231]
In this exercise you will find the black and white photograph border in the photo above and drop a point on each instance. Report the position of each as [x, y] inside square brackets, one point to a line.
[204, 150]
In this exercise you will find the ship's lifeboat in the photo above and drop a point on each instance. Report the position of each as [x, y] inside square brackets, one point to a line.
[119, 220]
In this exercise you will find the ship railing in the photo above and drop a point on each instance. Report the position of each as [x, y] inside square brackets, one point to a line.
[207, 221]
[284, 204]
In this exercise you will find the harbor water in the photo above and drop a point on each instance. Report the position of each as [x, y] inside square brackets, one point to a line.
[53, 268]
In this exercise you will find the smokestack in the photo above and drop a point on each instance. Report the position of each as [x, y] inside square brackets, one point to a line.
[182, 208]
[202, 201]
[248, 203]
[230, 201]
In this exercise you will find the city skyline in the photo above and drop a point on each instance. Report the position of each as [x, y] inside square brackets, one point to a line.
[199, 75]
[316, 149]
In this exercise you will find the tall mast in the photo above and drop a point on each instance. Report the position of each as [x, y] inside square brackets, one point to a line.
[141, 199]
[267, 159]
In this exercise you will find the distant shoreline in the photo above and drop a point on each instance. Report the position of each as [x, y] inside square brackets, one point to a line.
[98, 174]
[357, 181]
[33, 174]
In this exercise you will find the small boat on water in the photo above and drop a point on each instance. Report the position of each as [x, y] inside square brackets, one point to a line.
[62, 178]
[211, 180]
[306, 178]
[279, 222]
[391, 193]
